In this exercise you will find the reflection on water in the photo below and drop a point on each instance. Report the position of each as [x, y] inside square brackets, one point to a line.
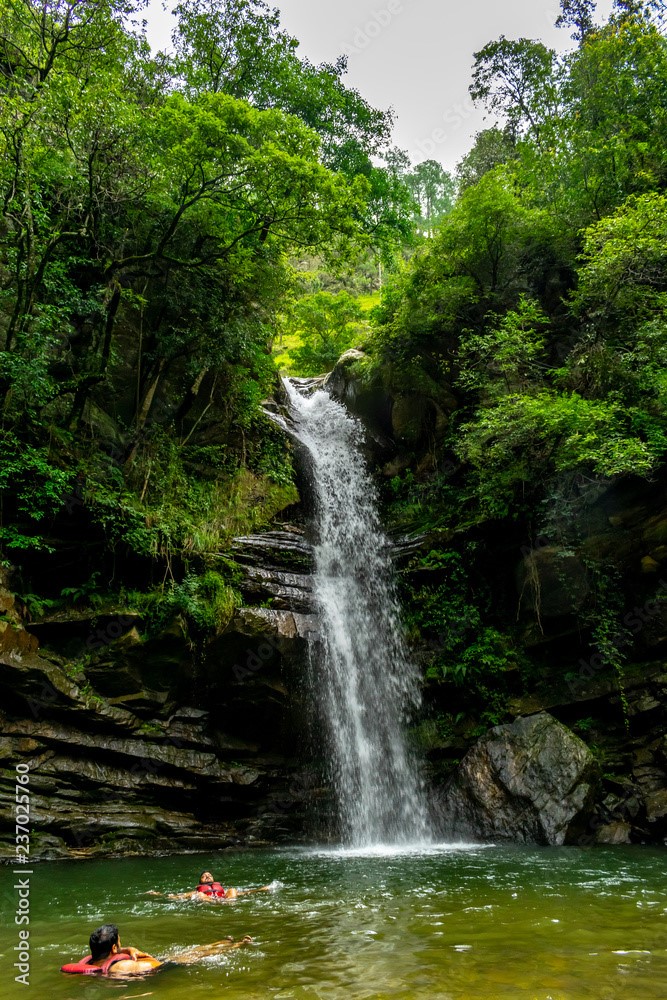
[453, 922]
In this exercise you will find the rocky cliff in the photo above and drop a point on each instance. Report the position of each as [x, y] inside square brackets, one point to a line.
[139, 744]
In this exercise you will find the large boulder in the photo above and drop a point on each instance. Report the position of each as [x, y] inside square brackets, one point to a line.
[531, 781]
[341, 382]
[369, 400]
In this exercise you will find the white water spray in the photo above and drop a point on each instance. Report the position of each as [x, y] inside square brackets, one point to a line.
[365, 681]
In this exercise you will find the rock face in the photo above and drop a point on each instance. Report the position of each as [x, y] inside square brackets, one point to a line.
[276, 569]
[553, 582]
[142, 743]
[276, 550]
[402, 421]
[143, 777]
[532, 780]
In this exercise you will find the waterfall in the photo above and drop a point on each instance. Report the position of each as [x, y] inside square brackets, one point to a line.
[364, 680]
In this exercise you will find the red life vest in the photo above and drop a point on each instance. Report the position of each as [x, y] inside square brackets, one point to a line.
[210, 889]
[84, 967]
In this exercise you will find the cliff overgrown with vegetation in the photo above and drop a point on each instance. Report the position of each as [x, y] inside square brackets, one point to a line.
[525, 346]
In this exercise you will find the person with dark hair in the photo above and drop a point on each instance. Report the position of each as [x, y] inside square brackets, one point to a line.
[107, 955]
[109, 958]
[208, 890]
[209, 887]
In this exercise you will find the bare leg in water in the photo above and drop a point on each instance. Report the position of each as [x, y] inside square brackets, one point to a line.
[198, 951]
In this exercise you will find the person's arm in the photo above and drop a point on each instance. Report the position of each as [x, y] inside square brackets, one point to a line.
[132, 967]
[170, 895]
[260, 888]
[246, 939]
[135, 953]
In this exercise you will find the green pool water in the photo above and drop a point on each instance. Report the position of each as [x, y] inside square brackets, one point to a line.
[475, 922]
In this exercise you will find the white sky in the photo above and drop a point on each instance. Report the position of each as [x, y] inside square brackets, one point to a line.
[414, 56]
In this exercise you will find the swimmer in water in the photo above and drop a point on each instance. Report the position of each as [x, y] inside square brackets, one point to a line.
[209, 890]
[109, 958]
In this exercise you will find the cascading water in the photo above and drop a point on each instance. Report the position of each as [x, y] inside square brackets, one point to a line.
[365, 682]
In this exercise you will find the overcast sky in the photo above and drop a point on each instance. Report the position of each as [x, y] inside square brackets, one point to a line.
[414, 56]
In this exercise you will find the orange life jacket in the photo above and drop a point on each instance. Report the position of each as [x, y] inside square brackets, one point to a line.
[210, 889]
[85, 967]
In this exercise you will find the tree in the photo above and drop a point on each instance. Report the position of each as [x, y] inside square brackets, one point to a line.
[492, 247]
[70, 137]
[33, 37]
[120, 201]
[495, 238]
[535, 317]
[605, 138]
[623, 274]
[518, 79]
[387, 219]
[492, 147]
[577, 14]
[328, 325]
[509, 354]
[525, 439]
[434, 191]
[615, 122]
[632, 9]
[150, 209]
[233, 46]
[238, 47]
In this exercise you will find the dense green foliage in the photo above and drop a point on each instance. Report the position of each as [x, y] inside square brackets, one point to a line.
[535, 317]
[327, 324]
[540, 299]
[151, 207]
[167, 220]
